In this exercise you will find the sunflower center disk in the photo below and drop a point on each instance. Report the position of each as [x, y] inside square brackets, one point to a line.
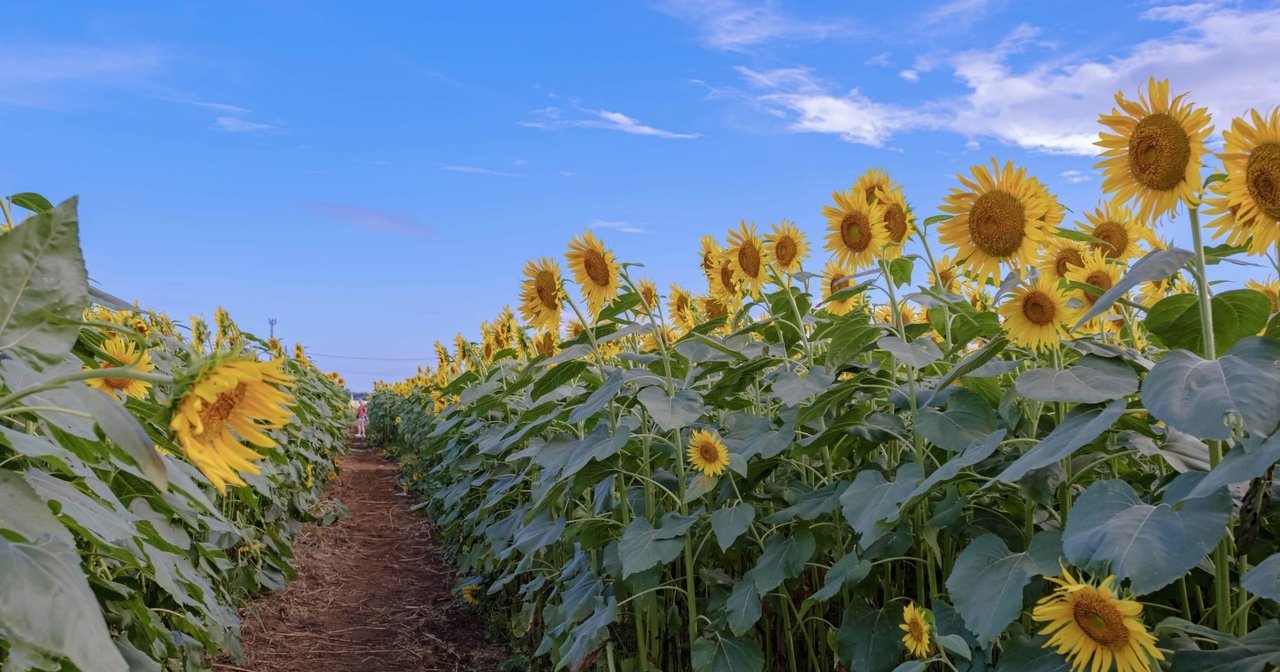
[1038, 308]
[1069, 256]
[1114, 237]
[1159, 150]
[997, 223]
[1100, 621]
[855, 231]
[749, 260]
[1262, 175]
[785, 251]
[896, 221]
[1100, 280]
[726, 277]
[708, 453]
[545, 285]
[215, 415]
[597, 267]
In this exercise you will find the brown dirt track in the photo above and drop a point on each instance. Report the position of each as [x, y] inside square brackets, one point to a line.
[372, 593]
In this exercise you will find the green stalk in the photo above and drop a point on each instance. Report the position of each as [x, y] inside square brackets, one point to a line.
[86, 374]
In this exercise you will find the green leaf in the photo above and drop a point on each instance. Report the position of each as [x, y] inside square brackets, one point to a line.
[1024, 654]
[900, 270]
[116, 528]
[1092, 380]
[742, 609]
[975, 453]
[1111, 529]
[727, 655]
[124, 429]
[642, 547]
[671, 412]
[987, 580]
[850, 569]
[1195, 395]
[556, 376]
[1251, 653]
[46, 603]
[31, 201]
[1157, 265]
[918, 353]
[1082, 425]
[968, 418]
[869, 639]
[792, 389]
[783, 558]
[850, 337]
[1237, 314]
[1237, 466]
[1264, 579]
[598, 399]
[24, 512]
[44, 287]
[871, 500]
[731, 522]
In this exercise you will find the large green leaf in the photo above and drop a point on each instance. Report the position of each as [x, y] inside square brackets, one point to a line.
[975, 453]
[791, 388]
[1264, 579]
[124, 429]
[23, 511]
[1092, 380]
[1157, 265]
[987, 580]
[556, 376]
[671, 412]
[1195, 395]
[1251, 653]
[783, 558]
[731, 522]
[871, 501]
[918, 353]
[642, 546]
[117, 528]
[968, 418]
[1023, 654]
[1111, 529]
[1239, 465]
[869, 639]
[742, 609]
[44, 286]
[1082, 425]
[851, 336]
[46, 603]
[723, 654]
[1237, 314]
[850, 569]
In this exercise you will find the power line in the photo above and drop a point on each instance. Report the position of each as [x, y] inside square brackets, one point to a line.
[374, 359]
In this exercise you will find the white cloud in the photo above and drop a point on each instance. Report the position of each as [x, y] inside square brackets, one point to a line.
[372, 219]
[972, 145]
[568, 173]
[910, 75]
[734, 25]
[477, 171]
[621, 227]
[957, 11]
[520, 162]
[880, 60]
[238, 125]
[35, 74]
[1076, 176]
[553, 118]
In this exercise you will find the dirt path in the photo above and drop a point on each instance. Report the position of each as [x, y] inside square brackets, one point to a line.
[372, 593]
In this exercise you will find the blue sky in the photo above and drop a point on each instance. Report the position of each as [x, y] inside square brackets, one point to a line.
[374, 175]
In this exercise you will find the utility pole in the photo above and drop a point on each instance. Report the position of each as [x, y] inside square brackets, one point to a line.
[272, 321]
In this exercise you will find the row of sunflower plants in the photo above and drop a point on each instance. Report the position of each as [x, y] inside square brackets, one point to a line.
[981, 440]
[152, 474]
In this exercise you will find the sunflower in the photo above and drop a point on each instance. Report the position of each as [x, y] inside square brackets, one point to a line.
[855, 229]
[229, 402]
[300, 355]
[723, 284]
[746, 258]
[786, 247]
[545, 343]
[712, 307]
[442, 355]
[274, 347]
[836, 279]
[460, 346]
[1249, 199]
[707, 453]
[594, 269]
[906, 311]
[709, 253]
[1036, 314]
[1153, 156]
[123, 353]
[1055, 212]
[1096, 271]
[650, 341]
[1120, 233]
[541, 294]
[898, 218]
[946, 274]
[681, 306]
[1093, 627]
[471, 594]
[1060, 255]
[977, 295]
[1270, 288]
[999, 217]
[575, 328]
[199, 334]
[916, 623]
[648, 295]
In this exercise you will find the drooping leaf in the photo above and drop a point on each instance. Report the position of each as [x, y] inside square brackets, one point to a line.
[556, 376]
[598, 399]
[1263, 579]
[723, 654]
[848, 570]
[987, 580]
[642, 547]
[1092, 380]
[1082, 425]
[918, 353]
[975, 453]
[742, 609]
[1237, 314]
[869, 639]
[871, 500]
[731, 522]
[124, 429]
[1239, 465]
[968, 418]
[791, 388]
[44, 286]
[783, 558]
[1157, 265]
[671, 412]
[1251, 653]
[1195, 395]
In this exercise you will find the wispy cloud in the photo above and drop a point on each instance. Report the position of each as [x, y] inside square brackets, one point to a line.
[478, 171]
[370, 219]
[238, 125]
[552, 118]
[735, 25]
[38, 74]
[912, 76]
[1076, 176]
[957, 12]
[621, 227]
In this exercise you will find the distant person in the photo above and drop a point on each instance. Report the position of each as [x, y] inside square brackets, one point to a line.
[362, 414]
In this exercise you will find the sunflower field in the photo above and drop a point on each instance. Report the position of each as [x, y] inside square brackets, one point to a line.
[151, 476]
[978, 440]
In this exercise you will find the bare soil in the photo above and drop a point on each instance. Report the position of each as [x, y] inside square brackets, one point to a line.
[373, 593]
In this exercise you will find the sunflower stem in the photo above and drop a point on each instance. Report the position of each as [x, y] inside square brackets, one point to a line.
[86, 374]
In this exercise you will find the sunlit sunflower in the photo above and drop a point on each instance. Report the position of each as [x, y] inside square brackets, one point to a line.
[575, 328]
[199, 334]
[594, 269]
[546, 343]
[707, 453]
[124, 353]
[712, 307]
[229, 402]
[906, 311]
[916, 623]
[1151, 292]
[1093, 627]
[746, 258]
[274, 347]
[540, 294]
[1098, 271]
[836, 279]
[680, 305]
[946, 274]
[1270, 288]
[1153, 155]
[855, 229]
[300, 354]
[976, 294]
[1055, 212]
[1036, 314]
[898, 219]
[650, 341]
[1249, 199]
[998, 218]
[786, 247]
[723, 283]
[709, 254]
[648, 295]
[1060, 255]
[1122, 236]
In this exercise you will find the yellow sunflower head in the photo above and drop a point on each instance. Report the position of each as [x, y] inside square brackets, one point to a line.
[723, 283]
[1152, 156]
[541, 295]
[872, 182]
[1097, 271]
[471, 594]
[786, 247]
[123, 353]
[648, 295]
[546, 343]
[460, 346]
[707, 453]
[1121, 234]
[300, 354]
[199, 334]
[594, 269]
[1060, 255]
[442, 354]
[1270, 288]
[1248, 201]
[712, 307]
[855, 229]
[1092, 626]
[998, 217]
[899, 221]
[650, 343]
[917, 623]
[274, 347]
[906, 311]
[575, 328]
[227, 403]
[680, 305]
[709, 253]
[746, 258]
[836, 279]
[1036, 314]
[946, 274]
